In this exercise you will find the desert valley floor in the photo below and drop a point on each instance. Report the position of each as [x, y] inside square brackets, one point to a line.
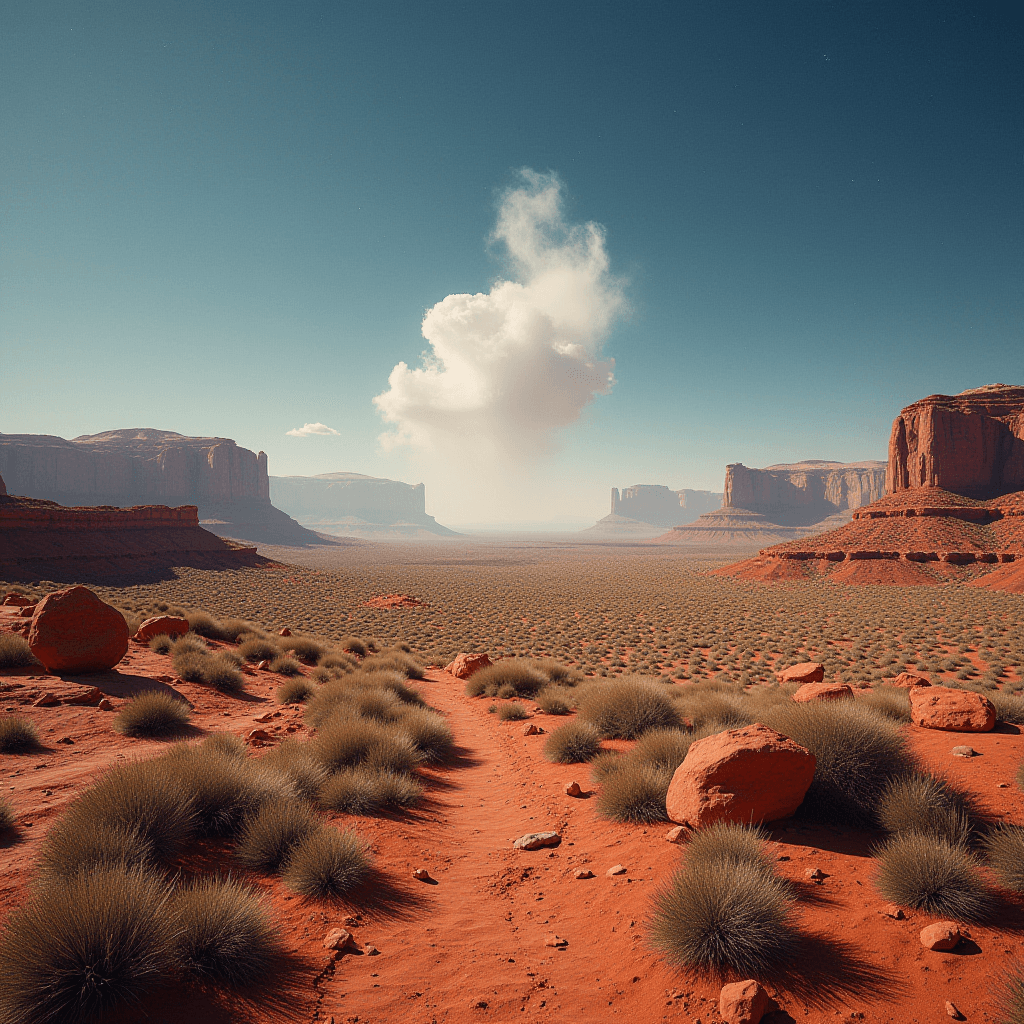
[470, 943]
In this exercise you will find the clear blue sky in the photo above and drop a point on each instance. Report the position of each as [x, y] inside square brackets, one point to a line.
[229, 219]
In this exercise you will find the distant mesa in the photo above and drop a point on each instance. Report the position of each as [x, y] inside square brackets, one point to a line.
[781, 503]
[353, 505]
[645, 510]
[123, 468]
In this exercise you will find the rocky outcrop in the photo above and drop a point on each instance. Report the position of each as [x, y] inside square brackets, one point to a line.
[350, 504]
[739, 528]
[123, 468]
[971, 444]
[803, 493]
[643, 510]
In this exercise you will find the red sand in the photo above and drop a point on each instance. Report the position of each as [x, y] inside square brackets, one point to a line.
[875, 571]
[1007, 577]
[478, 935]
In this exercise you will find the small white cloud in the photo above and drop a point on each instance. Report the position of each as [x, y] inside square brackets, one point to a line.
[311, 429]
[508, 369]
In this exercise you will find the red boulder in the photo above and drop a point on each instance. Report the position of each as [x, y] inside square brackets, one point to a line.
[743, 1002]
[823, 691]
[74, 632]
[17, 601]
[940, 707]
[908, 680]
[465, 665]
[805, 672]
[171, 625]
[752, 775]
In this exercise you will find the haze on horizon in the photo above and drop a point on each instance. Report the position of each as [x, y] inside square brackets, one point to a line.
[519, 254]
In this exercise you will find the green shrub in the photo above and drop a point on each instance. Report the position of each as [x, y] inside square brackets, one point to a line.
[636, 792]
[1005, 848]
[222, 932]
[513, 712]
[15, 652]
[153, 714]
[17, 735]
[271, 833]
[925, 805]
[626, 708]
[326, 864]
[572, 743]
[83, 946]
[285, 666]
[295, 691]
[724, 917]
[927, 873]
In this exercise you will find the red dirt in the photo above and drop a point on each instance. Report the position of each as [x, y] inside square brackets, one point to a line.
[478, 935]
[870, 572]
[1006, 577]
[394, 601]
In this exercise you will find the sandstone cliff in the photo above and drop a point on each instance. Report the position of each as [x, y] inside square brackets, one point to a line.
[970, 444]
[804, 493]
[351, 504]
[646, 509]
[123, 468]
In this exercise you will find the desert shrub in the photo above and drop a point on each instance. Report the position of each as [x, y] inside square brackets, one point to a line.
[704, 707]
[1020, 775]
[858, 751]
[891, 701]
[255, 648]
[1009, 707]
[722, 916]
[7, 815]
[295, 761]
[572, 743]
[270, 834]
[506, 692]
[396, 683]
[378, 704]
[354, 646]
[357, 791]
[517, 673]
[925, 805]
[1005, 848]
[223, 933]
[221, 673]
[161, 644]
[84, 945]
[68, 848]
[636, 792]
[394, 661]
[285, 666]
[15, 651]
[429, 732]
[627, 708]
[326, 864]
[17, 735]
[347, 743]
[304, 648]
[295, 691]
[1011, 998]
[153, 714]
[927, 873]
[556, 700]
[190, 665]
[605, 763]
[663, 749]
[226, 743]
[189, 643]
[232, 629]
[557, 673]
[320, 676]
[728, 842]
[513, 712]
[203, 624]
[335, 660]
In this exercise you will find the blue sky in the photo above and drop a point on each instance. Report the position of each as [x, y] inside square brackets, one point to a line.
[230, 219]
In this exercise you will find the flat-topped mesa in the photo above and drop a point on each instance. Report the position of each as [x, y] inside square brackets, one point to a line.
[971, 444]
[804, 493]
[660, 506]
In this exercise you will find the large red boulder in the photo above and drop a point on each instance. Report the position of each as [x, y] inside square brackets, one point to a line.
[170, 625]
[805, 672]
[74, 632]
[465, 665]
[13, 600]
[752, 775]
[940, 707]
[908, 680]
[823, 691]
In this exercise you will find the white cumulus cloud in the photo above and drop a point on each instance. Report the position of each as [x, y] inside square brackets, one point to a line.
[312, 429]
[508, 368]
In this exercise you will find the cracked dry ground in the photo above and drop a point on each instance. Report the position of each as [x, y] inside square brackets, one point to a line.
[472, 946]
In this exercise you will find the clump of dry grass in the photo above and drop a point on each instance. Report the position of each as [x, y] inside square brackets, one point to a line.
[728, 842]
[7, 815]
[83, 946]
[572, 743]
[269, 835]
[153, 714]
[512, 712]
[358, 791]
[394, 661]
[925, 805]
[255, 648]
[349, 743]
[297, 763]
[15, 652]
[326, 864]
[295, 691]
[517, 677]
[304, 648]
[627, 708]
[1011, 997]
[634, 792]
[17, 735]
[68, 848]
[1009, 707]
[924, 872]
[285, 666]
[556, 700]
[161, 644]
[1005, 848]
[891, 701]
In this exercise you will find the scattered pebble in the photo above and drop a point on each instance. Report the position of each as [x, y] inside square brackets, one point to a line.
[573, 789]
[531, 730]
[952, 1011]
[583, 873]
[535, 840]
[964, 751]
[65, 739]
[47, 700]
[816, 875]
[940, 936]
[554, 940]
[105, 705]
[891, 910]
[676, 835]
[422, 874]
[339, 938]
[371, 950]
[615, 869]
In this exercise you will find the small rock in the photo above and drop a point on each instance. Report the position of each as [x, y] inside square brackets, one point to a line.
[285, 632]
[743, 1002]
[805, 672]
[371, 950]
[338, 938]
[530, 729]
[583, 873]
[480, 1004]
[952, 1011]
[677, 834]
[572, 789]
[47, 700]
[816, 875]
[265, 717]
[823, 691]
[65, 739]
[90, 697]
[465, 665]
[47, 792]
[105, 705]
[258, 736]
[1002, 785]
[615, 869]
[535, 840]
[891, 910]
[940, 936]
[170, 625]
[422, 874]
[964, 752]
[553, 940]
[261, 665]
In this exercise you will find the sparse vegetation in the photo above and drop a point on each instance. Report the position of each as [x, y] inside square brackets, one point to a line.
[572, 743]
[927, 806]
[1005, 848]
[285, 666]
[153, 714]
[295, 691]
[17, 735]
[326, 864]
[15, 652]
[627, 708]
[270, 834]
[634, 792]
[7, 815]
[161, 644]
[512, 712]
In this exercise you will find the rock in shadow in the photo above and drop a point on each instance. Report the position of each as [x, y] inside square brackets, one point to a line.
[118, 684]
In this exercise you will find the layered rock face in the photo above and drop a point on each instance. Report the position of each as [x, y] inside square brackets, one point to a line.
[971, 444]
[656, 504]
[229, 484]
[804, 493]
[353, 504]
